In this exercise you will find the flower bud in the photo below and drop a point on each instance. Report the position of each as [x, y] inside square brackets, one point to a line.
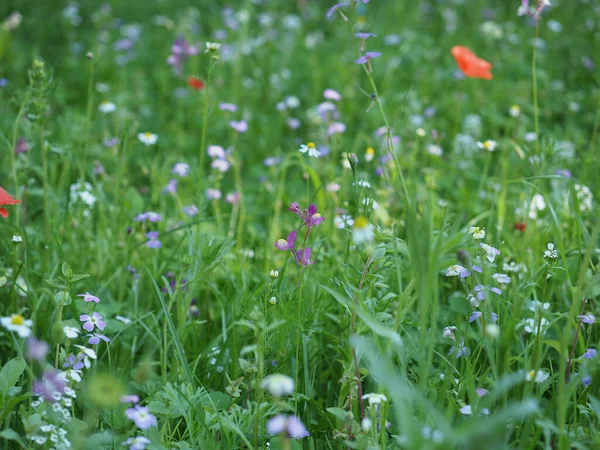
[274, 274]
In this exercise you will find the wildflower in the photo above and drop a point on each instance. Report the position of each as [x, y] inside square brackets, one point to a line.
[334, 8]
[563, 173]
[137, 443]
[222, 165]
[195, 83]
[531, 325]
[288, 424]
[481, 392]
[95, 320]
[87, 297]
[227, 107]
[310, 216]
[537, 204]
[530, 136]
[94, 339]
[478, 294]
[490, 251]
[435, 150]
[106, 107]
[366, 424]
[213, 194]
[48, 386]
[449, 333]
[36, 350]
[460, 349]
[362, 231]
[374, 399]
[520, 226]
[330, 94]
[421, 132]
[274, 274]
[302, 256]
[470, 64]
[369, 154]
[181, 169]
[501, 278]
[539, 376]
[477, 314]
[240, 127]
[212, 46]
[216, 151]
[17, 239]
[311, 149]
[550, 253]
[71, 332]
[287, 244]
[333, 187]
[21, 146]
[588, 318]
[368, 56]
[17, 324]
[515, 110]
[584, 197]
[293, 123]
[466, 410]
[170, 187]
[364, 36]
[477, 233]
[233, 198]
[191, 210]
[336, 128]
[488, 145]
[6, 199]
[589, 353]
[129, 399]
[147, 138]
[457, 270]
[278, 385]
[343, 221]
[125, 320]
[142, 418]
[272, 161]
[153, 241]
[586, 380]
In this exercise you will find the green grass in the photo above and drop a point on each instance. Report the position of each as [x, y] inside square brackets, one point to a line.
[206, 321]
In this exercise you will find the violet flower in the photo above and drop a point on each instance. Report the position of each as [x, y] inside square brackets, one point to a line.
[588, 318]
[94, 339]
[367, 57]
[227, 107]
[240, 127]
[287, 244]
[36, 350]
[334, 8]
[95, 320]
[364, 35]
[21, 146]
[141, 416]
[331, 94]
[589, 353]
[50, 386]
[87, 297]
[460, 349]
[153, 241]
[310, 216]
[290, 425]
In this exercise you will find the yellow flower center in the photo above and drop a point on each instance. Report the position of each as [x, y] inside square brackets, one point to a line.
[487, 144]
[17, 319]
[148, 135]
[282, 242]
[317, 216]
[105, 102]
[361, 222]
[311, 145]
[370, 151]
[531, 374]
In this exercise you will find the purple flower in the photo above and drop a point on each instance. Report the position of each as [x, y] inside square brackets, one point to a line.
[213, 194]
[150, 216]
[367, 57]
[288, 424]
[293, 123]
[153, 241]
[336, 128]
[588, 318]
[364, 35]
[171, 187]
[460, 349]
[36, 350]
[586, 380]
[137, 443]
[3, 82]
[563, 173]
[130, 399]
[477, 314]
[287, 244]
[50, 386]
[109, 143]
[334, 8]
[303, 256]
[240, 127]
[87, 297]
[589, 353]
[227, 107]
[222, 165]
[310, 216]
[272, 161]
[180, 52]
[331, 94]
[181, 169]
[75, 362]
[95, 338]
[21, 146]
[95, 320]
[216, 151]
[190, 210]
[142, 418]
[233, 198]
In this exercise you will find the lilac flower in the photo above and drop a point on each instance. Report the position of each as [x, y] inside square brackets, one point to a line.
[110, 143]
[87, 297]
[21, 146]
[181, 169]
[331, 94]
[49, 385]
[367, 57]
[586, 380]
[137, 443]
[303, 257]
[466, 410]
[216, 151]
[95, 338]
[481, 392]
[190, 210]
[589, 353]
[293, 123]
[213, 194]
[324, 108]
[588, 318]
[364, 35]
[170, 187]
[477, 314]
[490, 251]
[336, 128]
[227, 107]
[149, 216]
[460, 349]
[180, 52]
[476, 268]
[95, 320]
[233, 198]
[310, 216]
[478, 294]
[563, 173]
[240, 127]
[222, 165]
[501, 278]
[3, 82]
[287, 424]
[74, 362]
[334, 8]
[142, 418]
[287, 244]
[130, 399]
[153, 241]
[36, 350]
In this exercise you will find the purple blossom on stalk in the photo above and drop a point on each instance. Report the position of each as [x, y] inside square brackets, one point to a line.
[222, 165]
[190, 210]
[460, 349]
[21, 146]
[477, 314]
[227, 107]
[302, 256]
[310, 216]
[141, 416]
[336, 128]
[233, 198]
[588, 318]
[130, 399]
[95, 320]
[171, 187]
[36, 350]
[586, 380]
[367, 57]
[287, 244]
[364, 35]
[87, 297]
[563, 173]
[293, 123]
[216, 151]
[49, 385]
[148, 216]
[240, 127]
[331, 94]
[153, 241]
[213, 194]
[94, 339]
[589, 353]
[290, 425]
[180, 52]
[74, 362]
[334, 8]
[181, 169]
[110, 143]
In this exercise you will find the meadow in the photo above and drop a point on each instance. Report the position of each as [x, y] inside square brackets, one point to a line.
[299, 224]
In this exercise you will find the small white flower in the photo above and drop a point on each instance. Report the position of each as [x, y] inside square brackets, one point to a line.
[421, 132]
[362, 231]
[490, 252]
[550, 253]
[501, 278]
[147, 138]
[515, 110]
[72, 374]
[366, 424]
[106, 107]
[278, 385]
[492, 330]
[343, 221]
[455, 270]
[531, 325]
[125, 320]
[212, 46]
[362, 183]
[18, 324]
[538, 377]
[16, 239]
[87, 351]
[71, 332]
[435, 150]
[488, 145]
[374, 399]
[530, 136]
[466, 410]
[274, 274]
[477, 233]
[537, 204]
[292, 102]
[310, 149]
[449, 333]
[273, 300]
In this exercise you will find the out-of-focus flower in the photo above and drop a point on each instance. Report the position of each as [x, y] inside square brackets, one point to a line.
[106, 107]
[240, 127]
[311, 149]
[147, 138]
[36, 350]
[153, 241]
[470, 64]
[368, 56]
[141, 416]
[195, 83]
[550, 253]
[362, 231]
[278, 385]
[290, 425]
[6, 199]
[488, 145]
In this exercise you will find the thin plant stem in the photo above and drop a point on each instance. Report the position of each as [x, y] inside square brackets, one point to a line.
[536, 111]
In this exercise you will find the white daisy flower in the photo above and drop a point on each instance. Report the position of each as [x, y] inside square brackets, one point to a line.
[106, 107]
[18, 324]
[539, 376]
[310, 149]
[278, 385]
[71, 332]
[374, 399]
[147, 138]
[362, 232]
[488, 145]
[212, 46]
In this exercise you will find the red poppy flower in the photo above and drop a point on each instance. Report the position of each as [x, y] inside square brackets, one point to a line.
[6, 199]
[470, 64]
[196, 83]
[520, 226]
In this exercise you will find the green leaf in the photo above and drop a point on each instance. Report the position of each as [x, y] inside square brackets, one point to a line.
[156, 407]
[595, 405]
[10, 374]
[57, 283]
[78, 277]
[340, 413]
[278, 444]
[62, 298]
[11, 435]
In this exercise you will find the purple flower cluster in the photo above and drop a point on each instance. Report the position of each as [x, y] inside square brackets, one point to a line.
[311, 219]
[180, 52]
